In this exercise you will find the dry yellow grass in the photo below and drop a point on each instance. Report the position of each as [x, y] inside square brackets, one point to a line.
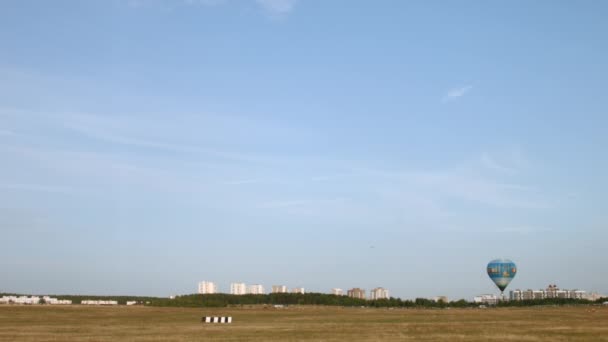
[78, 323]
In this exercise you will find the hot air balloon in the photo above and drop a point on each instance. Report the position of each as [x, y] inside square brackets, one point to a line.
[501, 271]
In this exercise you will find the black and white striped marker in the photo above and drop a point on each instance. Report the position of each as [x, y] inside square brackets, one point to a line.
[211, 319]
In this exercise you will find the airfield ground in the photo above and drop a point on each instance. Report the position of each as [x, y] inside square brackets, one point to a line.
[79, 323]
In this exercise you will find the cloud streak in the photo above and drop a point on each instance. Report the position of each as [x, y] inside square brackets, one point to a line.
[6, 132]
[37, 188]
[277, 7]
[204, 2]
[159, 155]
[455, 93]
[492, 164]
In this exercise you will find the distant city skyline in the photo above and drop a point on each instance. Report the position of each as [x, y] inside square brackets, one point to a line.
[147, 145]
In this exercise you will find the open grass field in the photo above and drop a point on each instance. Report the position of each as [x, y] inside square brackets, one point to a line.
[78, 323]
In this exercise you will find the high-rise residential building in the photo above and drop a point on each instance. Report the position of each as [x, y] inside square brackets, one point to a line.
[577, 294]
[297, 290]
[552, 291]
[338, 292]
[238, 289]
[356, 293]
[279, 289]
[593, 296]
[255, 289]
[527, 294]
[207, 287]
[378, 293]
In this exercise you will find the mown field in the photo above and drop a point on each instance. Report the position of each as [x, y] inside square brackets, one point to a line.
[78, 323]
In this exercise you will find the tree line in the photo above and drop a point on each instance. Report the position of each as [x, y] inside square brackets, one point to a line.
[225, 300]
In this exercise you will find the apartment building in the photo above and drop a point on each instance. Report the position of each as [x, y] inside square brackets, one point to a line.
[279, 289]
[255, 289]
[238, 288]
[207, 287]
[378, 293]
[552, 291]
[299, 290]
[356, 293]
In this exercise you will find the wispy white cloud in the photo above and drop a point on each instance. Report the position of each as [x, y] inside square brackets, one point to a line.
[277, 7]
[159, 154]
[320, 178]
[134, 3]
[325, 209]
[37, 187]
[205, 2]
[273, 7]
[492, 164]
[244, 181]
[500, 228]
[506, 161]
[199, 134]
[455, 93]
[467, 183]
[284, 203]
[522, 229]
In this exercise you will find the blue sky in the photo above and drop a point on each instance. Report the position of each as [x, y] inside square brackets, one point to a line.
[148, 145]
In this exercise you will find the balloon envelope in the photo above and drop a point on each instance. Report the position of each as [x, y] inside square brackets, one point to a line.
[501, 271]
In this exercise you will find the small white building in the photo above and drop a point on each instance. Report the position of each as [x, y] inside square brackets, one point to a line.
[488, 299]
[27, 301]
[20, 300]
[98, 302]
[33, 300]
[55, 301]
[338, 292]
[299, 290]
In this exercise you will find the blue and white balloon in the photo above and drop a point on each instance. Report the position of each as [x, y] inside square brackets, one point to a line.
[502, 271]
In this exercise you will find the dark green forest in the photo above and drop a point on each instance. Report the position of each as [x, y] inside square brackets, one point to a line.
[225, 300]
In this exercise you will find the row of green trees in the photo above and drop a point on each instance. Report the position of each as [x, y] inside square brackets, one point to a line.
[224, 300]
